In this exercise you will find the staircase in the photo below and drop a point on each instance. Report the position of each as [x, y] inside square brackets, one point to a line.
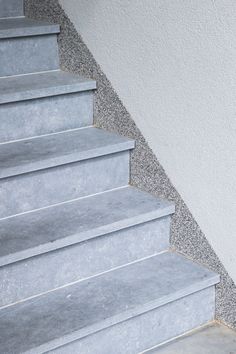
[85, 265]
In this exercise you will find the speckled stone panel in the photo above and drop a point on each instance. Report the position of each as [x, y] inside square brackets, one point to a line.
[146, 171]
[47, 115]
[62, 183]
[11, 8]
[37, 53]
[97, 305]
[149, 329]
[51, 270]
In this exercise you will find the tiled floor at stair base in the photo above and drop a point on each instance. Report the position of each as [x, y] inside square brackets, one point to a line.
[214, 339]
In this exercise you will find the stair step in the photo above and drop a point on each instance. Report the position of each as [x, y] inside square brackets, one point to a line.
[33, 43]
[11, 8]
[48, 229]
[23, 27]
[31, 86]
[58, 149]
[51, 270]
[21, 120]
[60, 167]
[74, 312]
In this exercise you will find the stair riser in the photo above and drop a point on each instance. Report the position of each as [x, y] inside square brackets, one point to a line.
[28, 55]
[30, 118]
[54, 269]
[11, 8]
[59, 184]
[149, 329]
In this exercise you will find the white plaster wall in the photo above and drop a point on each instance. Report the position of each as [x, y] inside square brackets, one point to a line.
[173, 64]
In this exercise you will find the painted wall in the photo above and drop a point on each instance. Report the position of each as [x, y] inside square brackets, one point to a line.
[173, 64]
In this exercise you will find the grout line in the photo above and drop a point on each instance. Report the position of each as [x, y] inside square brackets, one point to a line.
[62, 203]
[81, 280]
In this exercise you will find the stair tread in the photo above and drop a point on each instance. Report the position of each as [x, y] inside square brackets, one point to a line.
[54, 319]
[51, 83]
[22, 26]
[40, 231]
[52, 150]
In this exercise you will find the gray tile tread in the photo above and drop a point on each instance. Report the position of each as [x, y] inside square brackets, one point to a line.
[52, 83]
[22, 26]
[48, 229]
[58, 149]
[54, 319]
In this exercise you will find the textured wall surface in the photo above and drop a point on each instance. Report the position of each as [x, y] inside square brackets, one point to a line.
[172, 63]
[146, 171]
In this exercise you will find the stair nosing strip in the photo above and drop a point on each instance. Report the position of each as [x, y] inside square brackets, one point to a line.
[5, 35]
[11, 17]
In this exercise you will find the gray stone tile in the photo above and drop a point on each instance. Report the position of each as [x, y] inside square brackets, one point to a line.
[58, 149]
[214, 339]
[11, 8]
[84, 308]
[63, 183]
[146, 171]
[37, 54]
[34, 233]
[148, 329]
[46, 115]
[51, 270]
[35, 41]
[22, 26]
[27, 87]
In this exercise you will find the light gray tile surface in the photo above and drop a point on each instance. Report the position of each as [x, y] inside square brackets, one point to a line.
[69, 264]
[98, 303]
[38, 53]
[11, 8]
[46, 115]
[26, 87]
[214, 339]
[48, 229]
[20, 27]
[139, 333]
[54, 150]
[63, 183]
